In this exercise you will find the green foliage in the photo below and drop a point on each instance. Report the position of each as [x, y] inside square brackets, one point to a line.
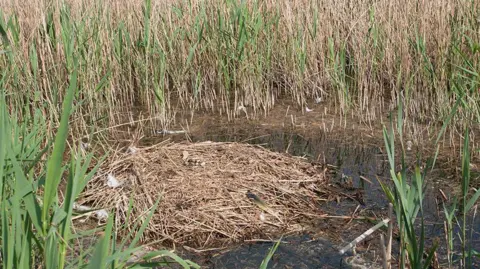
[408, 191]
[407, 195]
[269, 256]
[215, 55]
[35, 223]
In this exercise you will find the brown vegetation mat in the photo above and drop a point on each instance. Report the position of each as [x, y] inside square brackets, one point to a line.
[206, 190]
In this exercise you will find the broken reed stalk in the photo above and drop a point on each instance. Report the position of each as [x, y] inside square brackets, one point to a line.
[390, 237]
[384, 252]
[364, 235]
[449, 253]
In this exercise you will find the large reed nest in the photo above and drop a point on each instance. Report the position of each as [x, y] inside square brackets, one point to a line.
[206, 192]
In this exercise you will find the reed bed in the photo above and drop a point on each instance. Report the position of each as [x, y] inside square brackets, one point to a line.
[211, 194]
[160, 57]
[112, 62]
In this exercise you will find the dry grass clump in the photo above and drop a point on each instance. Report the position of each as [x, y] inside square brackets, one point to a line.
[203, 189]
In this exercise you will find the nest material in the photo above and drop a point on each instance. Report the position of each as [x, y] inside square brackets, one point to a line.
[206, 190]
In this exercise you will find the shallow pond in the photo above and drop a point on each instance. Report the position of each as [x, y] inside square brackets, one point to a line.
[350, 156]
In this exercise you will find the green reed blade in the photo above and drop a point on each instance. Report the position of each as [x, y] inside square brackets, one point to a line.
[54, 163]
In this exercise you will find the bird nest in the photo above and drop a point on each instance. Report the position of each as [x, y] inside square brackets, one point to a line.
[211, 194]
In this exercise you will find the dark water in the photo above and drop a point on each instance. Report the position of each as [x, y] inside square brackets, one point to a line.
[352, 157]
[294, 252]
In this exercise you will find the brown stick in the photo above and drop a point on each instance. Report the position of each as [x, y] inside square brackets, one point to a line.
[390, 232]
[445, 227]
[384, 252]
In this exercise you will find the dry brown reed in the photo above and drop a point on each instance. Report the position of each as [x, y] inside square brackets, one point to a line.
[217, 55]
[203, 190]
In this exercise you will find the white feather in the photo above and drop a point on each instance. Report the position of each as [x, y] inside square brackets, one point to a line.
[112, 181]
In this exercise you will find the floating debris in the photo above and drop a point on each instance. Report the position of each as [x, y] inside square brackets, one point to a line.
[318, 100]
[308, 109]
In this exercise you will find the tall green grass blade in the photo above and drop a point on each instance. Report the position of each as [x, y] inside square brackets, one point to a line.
[75, 184]
[50, 257]
[3, 31]
[147, 13]
[54, 164]
[418, 190]
[99, 259]
[431, 254]
[39, 156]
[465, 186]
[400, 118]
[471, 202]
[389, 147]
[388, 192]
[23, 189]
[446, 122]
[466, 165]
[264, 264]
[7, 241]
[119, 257]
[4, 141]
[144, 224]
[26, 251]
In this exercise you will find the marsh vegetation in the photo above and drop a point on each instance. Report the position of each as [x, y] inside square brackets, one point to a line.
[75, 73]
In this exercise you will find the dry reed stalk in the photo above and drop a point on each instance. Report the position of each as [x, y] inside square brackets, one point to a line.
[384, 252]
[364, 54]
